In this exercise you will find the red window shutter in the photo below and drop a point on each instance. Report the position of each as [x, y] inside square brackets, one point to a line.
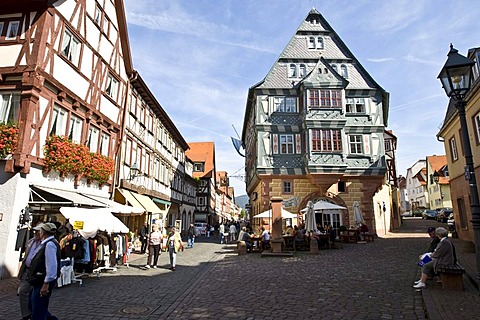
[298, 143]
[275, 143]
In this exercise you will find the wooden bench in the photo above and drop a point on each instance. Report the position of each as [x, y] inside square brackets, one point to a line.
[451, 277]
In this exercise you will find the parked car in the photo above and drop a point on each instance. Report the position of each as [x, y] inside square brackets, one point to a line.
[443, 214]
[429, 214]
[417, 213]
[200, 228]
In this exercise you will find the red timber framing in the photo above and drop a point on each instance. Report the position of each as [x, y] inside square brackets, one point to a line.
[33, 74]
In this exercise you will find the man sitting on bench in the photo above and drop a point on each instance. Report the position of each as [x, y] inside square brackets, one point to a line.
[442, 256]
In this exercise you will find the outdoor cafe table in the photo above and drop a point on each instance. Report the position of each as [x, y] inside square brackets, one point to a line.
[324, 239]
[289, 243]
[256, 242]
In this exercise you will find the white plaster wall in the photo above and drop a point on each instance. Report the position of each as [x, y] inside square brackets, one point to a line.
[109, 109]
[69, 77]
[9, 54]
[14, 190]
[65, 8]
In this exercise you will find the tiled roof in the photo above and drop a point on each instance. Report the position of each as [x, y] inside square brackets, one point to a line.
[438, 163]
[202, 152]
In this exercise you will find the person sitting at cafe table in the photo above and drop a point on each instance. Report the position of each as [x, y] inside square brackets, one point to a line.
[246, 239]
[299, 236]
[265, 238]
[289, 230]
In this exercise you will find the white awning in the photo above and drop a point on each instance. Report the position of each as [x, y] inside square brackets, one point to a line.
[116, 207]
[147, 203]
[129, 198]
[74, 197]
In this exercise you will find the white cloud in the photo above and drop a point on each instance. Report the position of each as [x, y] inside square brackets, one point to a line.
[380, 59]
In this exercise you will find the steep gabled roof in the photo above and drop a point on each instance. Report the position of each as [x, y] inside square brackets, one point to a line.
[439, 163]
[203, 152]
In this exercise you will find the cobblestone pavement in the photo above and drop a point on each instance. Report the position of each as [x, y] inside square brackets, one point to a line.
[361, 281]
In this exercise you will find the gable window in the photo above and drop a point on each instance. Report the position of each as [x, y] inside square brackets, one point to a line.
[92, 142]
[12, 30]
[112, 86]
[453, 149]
[356, 145]
[198, 167]
[476, 124]
[324, 98]
[315, 43]
[319, 43]
[59, 121]
[285, 104]
[344, 71]
[303, 70]
[311, 43]
[388, 145]
[71, 47]
[286, 143]
[75, 132]
[326, 140]
[334, 67]
[287, 187]
[292, 70]
[104, 144]
[355, 105]
[9, 107]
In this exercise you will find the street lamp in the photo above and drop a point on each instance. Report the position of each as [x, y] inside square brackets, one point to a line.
[436, 177]
[456, 77]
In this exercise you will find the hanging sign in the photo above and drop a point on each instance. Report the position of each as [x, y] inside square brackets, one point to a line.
[78, 225]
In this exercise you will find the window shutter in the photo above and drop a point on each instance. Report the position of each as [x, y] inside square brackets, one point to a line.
[275, 143]
[298, 143]
[366, 144]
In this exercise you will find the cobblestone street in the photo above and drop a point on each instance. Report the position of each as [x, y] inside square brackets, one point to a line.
[361, 281]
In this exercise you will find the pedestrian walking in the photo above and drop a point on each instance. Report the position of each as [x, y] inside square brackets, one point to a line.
[144, 238]
[191, 236]
[154, 242]
[233, 232]
[25, 287]
[174, 245]
[221, 231]
[44, 270]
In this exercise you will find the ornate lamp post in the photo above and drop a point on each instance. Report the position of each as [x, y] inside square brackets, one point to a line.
[456, 77]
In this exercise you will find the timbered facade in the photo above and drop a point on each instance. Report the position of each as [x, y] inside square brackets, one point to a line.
[314, 127]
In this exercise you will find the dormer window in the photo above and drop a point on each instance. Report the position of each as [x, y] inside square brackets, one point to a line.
[315, 43]
[344, 71]
[319, 43]
[303, 70]
[198, 167]
[292, 71]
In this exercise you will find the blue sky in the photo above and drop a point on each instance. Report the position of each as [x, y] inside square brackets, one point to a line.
[199, 57]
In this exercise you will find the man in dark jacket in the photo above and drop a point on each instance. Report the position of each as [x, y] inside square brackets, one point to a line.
[144, 238]
[435, 240]
[44, 270]
[191, 236]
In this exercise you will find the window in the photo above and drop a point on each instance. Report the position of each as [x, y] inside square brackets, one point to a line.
[315, 43]
[70, 47]
[92, 142]
[1, 28]
[303, 70]
[104, 144]
[292, 71]
[356, 145]
[453, 149]
[128, 152]
[201, 201]
[287, 187]
[325, 98]
[334, 67]
[112, 86]
[75, 132]
[9, 107]
[12, 30]
[59, 121]
[285, 104]
[388, 145]
[198, 167]
[286, 143]
[476, 127]
[326, 140]
[355, 105]
[332, 218]
[98, 15]
[344, 71]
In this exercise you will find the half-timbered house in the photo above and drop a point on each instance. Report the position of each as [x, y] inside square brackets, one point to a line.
[314, 127]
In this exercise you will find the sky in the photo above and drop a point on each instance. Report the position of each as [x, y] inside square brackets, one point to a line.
[200, 57]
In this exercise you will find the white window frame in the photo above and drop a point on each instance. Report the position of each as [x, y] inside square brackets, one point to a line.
[287, 145]
[59, 121]
[198, 167]
[285, 104]
[12, 30]
[75, 130]
[355, 105]
[344, 71]
[311, 43]
[302, 70]
[332, 217]
[104, 144]
[98, 15]
[93, 136]
[319, 45]
[9, 106]
[477, 126]
[111, 87]
[355, 142]
[292, 70]
[453, 148]
[71, 47]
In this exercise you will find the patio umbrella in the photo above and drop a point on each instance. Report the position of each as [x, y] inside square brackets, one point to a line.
[357, 214]
[324, 205]
[268, 214]
[310, 224]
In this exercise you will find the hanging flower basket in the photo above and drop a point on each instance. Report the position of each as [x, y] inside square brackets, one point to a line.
[71, 158]
[8, 139]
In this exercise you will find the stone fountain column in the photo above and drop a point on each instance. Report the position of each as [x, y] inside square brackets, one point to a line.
[277, 240]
